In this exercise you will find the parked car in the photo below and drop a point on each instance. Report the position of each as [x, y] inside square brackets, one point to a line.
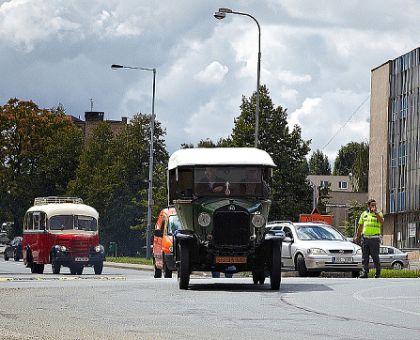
[163, 255]
[392, 257]
[310, 248]
[14, 249]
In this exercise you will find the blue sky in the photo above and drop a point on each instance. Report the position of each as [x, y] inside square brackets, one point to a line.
[316, 60]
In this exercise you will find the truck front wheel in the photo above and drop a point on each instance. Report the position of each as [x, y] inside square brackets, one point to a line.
[184, 267]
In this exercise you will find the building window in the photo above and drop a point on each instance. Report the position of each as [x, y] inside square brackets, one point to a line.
[324, 184]
[342, 185]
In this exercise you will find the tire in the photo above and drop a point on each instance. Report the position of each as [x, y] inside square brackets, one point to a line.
[275, 272]
[167, 271]
[301, 266]
[355, 273]
[15, 256]
[56, 267]
[184, 267]
[6, 258]
[98, 267]
[79, 270]
[397, 265]
[37, 268]
[158, 272]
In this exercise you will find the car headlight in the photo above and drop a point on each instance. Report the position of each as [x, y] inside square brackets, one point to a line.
[258, 220]
[204, 219]
[316, 251]
[359, 251]
[99, 249]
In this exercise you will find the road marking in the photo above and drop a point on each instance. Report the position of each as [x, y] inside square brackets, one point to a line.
[64, 278]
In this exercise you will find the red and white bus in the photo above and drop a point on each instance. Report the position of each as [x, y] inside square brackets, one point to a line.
[64, 232]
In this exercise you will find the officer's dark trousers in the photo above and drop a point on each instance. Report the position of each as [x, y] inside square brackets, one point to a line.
[370, 246]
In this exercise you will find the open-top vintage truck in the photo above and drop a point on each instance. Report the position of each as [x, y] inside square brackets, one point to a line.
[221, 196]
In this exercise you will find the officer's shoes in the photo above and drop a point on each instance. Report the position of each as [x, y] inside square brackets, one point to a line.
[363, 276]
[377, 276]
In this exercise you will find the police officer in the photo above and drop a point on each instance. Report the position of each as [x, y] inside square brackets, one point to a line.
[370, 223]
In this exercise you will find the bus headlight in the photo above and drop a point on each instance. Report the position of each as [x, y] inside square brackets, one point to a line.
[62, 248]
[258, 220]
[204, 219]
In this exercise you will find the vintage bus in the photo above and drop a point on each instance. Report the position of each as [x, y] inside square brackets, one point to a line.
[221, 196]
[64, 232]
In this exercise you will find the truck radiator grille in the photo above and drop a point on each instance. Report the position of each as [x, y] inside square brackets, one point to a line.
[231, 228]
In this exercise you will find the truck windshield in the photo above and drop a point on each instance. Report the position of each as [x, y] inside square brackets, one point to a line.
[69, 222]
[229, 181]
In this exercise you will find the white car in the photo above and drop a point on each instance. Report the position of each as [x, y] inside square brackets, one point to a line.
[311, 248]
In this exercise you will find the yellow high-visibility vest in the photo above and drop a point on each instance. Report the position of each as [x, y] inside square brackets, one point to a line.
[371, 225]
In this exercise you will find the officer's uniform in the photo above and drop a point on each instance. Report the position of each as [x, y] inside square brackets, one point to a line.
[370, 240]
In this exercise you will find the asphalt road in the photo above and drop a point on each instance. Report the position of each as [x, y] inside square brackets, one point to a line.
[131, 304]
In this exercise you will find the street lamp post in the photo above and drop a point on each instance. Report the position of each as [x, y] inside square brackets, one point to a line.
[221, 14]
[152, 128]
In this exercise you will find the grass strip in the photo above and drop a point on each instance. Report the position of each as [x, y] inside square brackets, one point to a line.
[127, 259]
[395, 273]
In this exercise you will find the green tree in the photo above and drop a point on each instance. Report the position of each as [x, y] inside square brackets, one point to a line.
[354, 210]
[113, 178]
[353, 158]
[319, 164]
[291, 192]
[39, 151]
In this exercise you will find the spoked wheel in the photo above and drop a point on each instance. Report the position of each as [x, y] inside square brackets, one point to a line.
[275, 273]
[98, 267]
[56, 267]
[184, 267]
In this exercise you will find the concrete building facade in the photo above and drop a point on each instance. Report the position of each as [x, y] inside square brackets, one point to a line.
[93, 119]
[340, 195]
[394, 150]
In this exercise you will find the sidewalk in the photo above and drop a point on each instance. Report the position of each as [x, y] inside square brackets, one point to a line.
[128, 266]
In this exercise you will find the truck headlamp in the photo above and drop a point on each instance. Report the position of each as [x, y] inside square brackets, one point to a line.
[258, 220]
[204, 219]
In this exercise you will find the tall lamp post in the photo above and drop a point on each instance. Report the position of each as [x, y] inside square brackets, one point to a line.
[152, 128]
[221, 14]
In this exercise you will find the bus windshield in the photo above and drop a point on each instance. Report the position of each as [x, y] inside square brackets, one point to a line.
[76, 222]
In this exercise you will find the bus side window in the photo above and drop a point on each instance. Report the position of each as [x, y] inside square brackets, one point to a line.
[30, 221]
[37, 220]
[25, 222]
[42, 225]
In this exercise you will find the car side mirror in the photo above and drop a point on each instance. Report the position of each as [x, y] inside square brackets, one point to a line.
[288, 239]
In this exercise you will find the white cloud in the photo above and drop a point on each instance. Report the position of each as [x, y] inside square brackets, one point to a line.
[213, 73]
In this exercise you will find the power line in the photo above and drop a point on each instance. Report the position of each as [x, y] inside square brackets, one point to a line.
[348, 120]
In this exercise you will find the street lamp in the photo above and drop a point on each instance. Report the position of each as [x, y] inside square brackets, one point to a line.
[152, 128]
[221, 14]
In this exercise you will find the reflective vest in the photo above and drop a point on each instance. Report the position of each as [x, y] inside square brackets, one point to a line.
[371, 225]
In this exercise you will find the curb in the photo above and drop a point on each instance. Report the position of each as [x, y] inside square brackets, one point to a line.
[128, 266]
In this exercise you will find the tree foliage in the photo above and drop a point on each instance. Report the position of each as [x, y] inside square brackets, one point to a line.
[113, 177]
[353, 158]
[291, 191]
[319, 164]
[39, 152]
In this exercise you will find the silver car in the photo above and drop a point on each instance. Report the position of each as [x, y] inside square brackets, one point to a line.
[391, 257]
[311, 248]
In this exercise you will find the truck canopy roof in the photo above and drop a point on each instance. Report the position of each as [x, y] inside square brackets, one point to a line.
[220, 157]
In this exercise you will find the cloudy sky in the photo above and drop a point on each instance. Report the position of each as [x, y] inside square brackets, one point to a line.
[316, 60]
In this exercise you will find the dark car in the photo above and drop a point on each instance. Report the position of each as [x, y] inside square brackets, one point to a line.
[14, 249]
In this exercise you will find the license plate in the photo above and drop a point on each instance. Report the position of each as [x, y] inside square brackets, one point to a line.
[230, 259]
[342, 259]
[81, 259]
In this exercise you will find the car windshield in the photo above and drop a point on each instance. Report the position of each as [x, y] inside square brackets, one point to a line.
[229, 181]
[173, 224]
[69, 222]
[316, 232]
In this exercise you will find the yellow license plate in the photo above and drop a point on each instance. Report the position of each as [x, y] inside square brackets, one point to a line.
[230, 259]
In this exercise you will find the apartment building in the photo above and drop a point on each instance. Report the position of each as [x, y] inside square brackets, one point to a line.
[394, 163]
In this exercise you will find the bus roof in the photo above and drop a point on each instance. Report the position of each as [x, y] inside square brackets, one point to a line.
[66, 209]
[220, 157]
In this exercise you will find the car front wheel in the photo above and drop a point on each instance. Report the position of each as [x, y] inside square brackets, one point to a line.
[301, 266]
[397, 265]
